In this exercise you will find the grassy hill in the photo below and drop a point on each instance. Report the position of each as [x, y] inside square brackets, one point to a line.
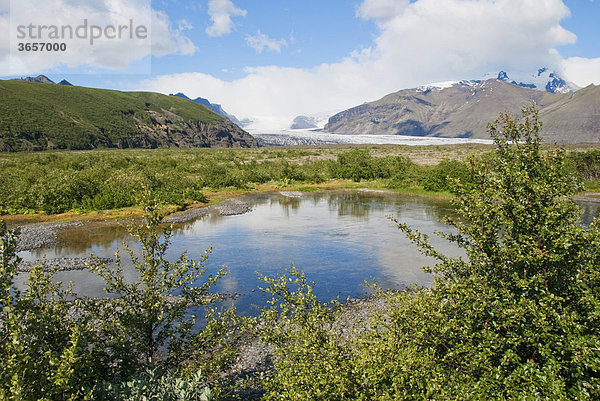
[35, 116]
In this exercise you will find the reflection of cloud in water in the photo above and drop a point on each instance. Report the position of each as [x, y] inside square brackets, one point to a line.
[340, 239]
[229, 284]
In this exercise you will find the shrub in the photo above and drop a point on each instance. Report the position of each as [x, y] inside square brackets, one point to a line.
[43, 347]
[586, 163]
[156, 385]
[355, 164]
[154, 311]
[309, 361]
[519, 316]
[440, 177]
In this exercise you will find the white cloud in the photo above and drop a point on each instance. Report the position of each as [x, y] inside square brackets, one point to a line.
[220, 12]
[381, 10]
[167, 40]
[582, 71]
[456, 38]
[419, 42]
[260, 41]
[152, 34]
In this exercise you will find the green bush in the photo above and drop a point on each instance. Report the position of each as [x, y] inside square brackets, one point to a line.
[517, 318]
[587, 164]
[57, 182]
[356, 165]
[154, 312]
[440, 177]
[43, 347]
[121, 189]
[155, 385]
[63, 190]
[310, 362]
[56, 346]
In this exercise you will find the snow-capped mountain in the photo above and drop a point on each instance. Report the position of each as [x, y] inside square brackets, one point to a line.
[543, 79]
[463, 109]
[447, 84]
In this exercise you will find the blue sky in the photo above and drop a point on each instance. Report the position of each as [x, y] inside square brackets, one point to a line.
[585, 23]
[272, 60]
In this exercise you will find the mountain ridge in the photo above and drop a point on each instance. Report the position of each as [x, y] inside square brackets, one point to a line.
[213, 106]
[463, 111]
[40, 117]
[42, 79]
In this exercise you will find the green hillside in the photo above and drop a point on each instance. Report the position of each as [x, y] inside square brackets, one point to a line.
[35, 116]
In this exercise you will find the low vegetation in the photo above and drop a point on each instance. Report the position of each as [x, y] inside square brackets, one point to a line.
[58, 182]
[518, 317]
[46, 116]
[137, 344]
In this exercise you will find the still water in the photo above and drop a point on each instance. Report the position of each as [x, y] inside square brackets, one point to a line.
[340, 240]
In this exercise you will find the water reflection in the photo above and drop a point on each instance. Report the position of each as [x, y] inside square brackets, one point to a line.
[590, 210]
[340, 239]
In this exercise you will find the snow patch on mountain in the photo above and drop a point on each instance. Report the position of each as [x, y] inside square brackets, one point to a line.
[543, 79]
[446, 84]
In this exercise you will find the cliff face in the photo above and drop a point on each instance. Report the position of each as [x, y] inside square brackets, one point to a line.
[168, 130]
[465, 109]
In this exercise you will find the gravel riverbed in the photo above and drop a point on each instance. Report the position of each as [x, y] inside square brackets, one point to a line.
[230, 207]
[62, 264]
[37, 236]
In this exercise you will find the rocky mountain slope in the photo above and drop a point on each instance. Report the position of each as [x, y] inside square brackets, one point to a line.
[543, 79]
[304, 122]
[463, 110]
[36, 116]
[214, 107]
[43, 80]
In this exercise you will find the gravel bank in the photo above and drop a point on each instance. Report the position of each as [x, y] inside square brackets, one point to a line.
[37, 236]
[292, 194]
[186, 216]
[61, 264]
[231, 207]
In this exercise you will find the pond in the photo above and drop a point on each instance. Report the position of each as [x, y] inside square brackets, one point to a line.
[340, 239]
